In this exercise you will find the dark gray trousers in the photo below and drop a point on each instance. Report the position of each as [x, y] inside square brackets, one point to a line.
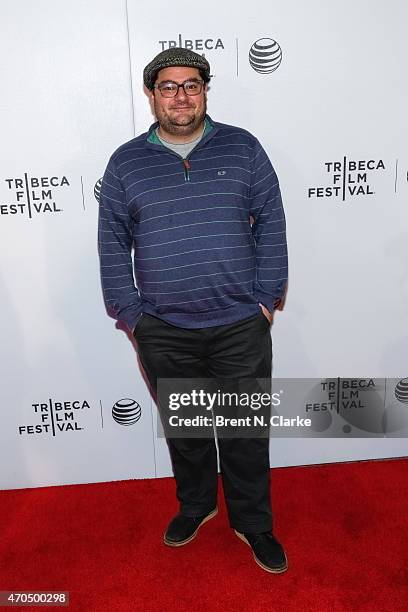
[237, 350]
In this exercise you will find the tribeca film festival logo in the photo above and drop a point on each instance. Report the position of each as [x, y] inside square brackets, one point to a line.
[348, 178]
[363, 405]
[194, 44]
[31, 195]
[54, 417]
[342, 394]
[126, 411]
[357, 402]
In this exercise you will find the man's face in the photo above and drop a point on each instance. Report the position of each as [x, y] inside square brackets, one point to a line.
[183, 114]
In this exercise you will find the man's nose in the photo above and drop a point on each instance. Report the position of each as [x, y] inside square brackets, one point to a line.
[181, 93]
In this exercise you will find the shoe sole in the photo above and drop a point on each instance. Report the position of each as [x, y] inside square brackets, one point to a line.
[187, 540]
[279, 570]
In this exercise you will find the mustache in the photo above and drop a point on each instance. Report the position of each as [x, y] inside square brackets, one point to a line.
[181, 106]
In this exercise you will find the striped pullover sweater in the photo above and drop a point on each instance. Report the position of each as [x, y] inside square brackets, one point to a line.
[175, 236]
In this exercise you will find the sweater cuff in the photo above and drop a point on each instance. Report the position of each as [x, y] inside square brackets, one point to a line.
[271, 302]
[130, 315]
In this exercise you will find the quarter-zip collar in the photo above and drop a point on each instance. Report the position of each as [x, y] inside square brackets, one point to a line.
[152, 141]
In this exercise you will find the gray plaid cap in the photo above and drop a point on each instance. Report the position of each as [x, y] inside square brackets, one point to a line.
[175, 56]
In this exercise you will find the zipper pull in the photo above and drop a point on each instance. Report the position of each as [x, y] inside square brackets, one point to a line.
[187, 167]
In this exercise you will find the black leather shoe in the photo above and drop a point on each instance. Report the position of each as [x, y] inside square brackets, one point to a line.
[268, 553]
[183, 529]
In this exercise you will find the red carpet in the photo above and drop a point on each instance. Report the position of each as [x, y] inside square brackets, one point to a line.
[344, 527]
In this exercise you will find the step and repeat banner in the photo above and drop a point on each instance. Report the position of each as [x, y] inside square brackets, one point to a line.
[323, 89]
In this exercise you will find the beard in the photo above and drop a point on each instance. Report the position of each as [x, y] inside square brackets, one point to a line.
[180, 122]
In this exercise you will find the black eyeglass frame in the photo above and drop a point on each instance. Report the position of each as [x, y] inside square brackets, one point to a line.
[199, 82]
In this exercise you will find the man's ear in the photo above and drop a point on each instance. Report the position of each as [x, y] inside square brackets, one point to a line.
[150, 97]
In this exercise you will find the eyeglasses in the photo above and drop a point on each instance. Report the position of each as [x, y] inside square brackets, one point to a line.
[169, 89]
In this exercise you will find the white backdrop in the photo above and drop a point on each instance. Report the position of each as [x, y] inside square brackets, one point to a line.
[72, 93]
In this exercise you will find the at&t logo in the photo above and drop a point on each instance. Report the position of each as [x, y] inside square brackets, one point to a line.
[265, 55]
[126, 411]
[401, 391]
[97, 190]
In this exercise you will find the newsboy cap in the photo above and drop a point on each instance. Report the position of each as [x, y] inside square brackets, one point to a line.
[175, 56]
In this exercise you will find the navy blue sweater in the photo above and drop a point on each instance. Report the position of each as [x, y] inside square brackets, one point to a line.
[197, 260]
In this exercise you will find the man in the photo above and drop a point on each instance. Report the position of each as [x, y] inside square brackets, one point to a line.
[199, 202]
